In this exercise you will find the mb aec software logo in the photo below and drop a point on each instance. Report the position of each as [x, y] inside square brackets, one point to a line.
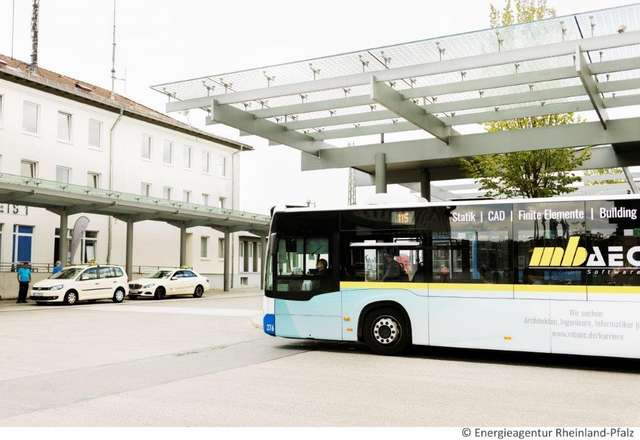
[574, 256]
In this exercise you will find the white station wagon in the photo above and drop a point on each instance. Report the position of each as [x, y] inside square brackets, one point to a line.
[169, 282]
[80, 283]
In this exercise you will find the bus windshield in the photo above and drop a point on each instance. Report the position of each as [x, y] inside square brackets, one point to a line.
[67, 274]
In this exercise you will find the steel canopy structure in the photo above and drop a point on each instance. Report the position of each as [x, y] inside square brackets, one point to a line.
[67, 199]
[430, 96]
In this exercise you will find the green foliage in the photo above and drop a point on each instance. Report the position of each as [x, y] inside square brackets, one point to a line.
[539, 173]
[610, 176]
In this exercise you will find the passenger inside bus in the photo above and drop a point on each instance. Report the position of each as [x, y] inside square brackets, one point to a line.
[393, 270]
[444, 273]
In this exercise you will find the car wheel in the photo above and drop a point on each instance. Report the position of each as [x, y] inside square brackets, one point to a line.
[118, 296]
[386, 331]
[198, 292]
[160, 293]
[71, 297]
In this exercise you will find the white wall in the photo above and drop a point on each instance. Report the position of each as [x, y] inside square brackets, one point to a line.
[155, 244]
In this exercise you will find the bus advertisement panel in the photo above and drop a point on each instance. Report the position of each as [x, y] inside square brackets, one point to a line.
[558, 275]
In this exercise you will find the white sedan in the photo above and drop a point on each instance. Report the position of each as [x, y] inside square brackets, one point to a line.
[169, 282]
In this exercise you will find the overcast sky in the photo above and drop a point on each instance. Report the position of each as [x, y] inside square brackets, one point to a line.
[166, 40]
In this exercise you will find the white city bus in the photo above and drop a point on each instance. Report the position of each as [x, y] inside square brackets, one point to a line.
[555, 275]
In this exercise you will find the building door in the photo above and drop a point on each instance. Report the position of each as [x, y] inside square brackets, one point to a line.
[22, 243]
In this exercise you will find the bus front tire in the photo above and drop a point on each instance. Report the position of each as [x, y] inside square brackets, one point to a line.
[386, 331]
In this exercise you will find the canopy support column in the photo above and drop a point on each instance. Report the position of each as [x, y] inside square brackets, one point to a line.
[183, 245]
[630, 181]
[263, 260]
[63, 242]
[129, 249]
[227, 247]
[425, 184]
[381, 173]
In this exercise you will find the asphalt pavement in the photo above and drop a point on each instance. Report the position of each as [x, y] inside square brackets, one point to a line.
[206, 362]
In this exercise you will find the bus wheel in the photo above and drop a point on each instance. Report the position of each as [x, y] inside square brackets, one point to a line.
[386, 332]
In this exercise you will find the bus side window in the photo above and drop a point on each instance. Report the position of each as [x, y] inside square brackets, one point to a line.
[304, 265]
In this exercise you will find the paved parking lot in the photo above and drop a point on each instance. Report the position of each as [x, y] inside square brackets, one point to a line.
[205, 362]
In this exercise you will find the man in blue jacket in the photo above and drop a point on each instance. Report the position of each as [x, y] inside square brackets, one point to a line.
[24, 278]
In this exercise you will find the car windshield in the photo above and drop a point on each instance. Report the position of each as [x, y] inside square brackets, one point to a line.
[161, 274]
[67, 274]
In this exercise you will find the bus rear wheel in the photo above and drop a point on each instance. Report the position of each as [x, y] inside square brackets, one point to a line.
[386, 331]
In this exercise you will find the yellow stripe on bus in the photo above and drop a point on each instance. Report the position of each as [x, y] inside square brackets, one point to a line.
[517, 288]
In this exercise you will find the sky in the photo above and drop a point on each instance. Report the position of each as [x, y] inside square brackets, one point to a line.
[167, 40]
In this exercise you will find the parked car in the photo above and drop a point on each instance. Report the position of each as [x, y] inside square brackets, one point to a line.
[169, 282]
[80, 283]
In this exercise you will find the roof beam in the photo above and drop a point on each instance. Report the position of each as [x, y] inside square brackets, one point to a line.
[395, 102]
[532, 77]
[233, 117]
[590, 86]
[468, 104]
[479, 117]
[430, 152]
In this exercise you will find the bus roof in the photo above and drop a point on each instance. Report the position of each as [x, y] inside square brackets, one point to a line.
[464, 203]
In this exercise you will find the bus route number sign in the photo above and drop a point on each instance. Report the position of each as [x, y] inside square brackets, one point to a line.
[403, 218]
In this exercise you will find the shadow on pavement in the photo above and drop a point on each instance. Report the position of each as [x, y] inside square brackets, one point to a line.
[546, 360]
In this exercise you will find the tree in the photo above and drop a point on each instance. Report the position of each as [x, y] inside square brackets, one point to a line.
[538, 173]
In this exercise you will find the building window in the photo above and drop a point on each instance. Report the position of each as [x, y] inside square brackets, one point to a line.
[1, 112]
[206, 161]
[93, 180]
[205, 199]
[221, 165]
[167, 153]
[63, 174]
[30, 115]
[95, 133]
[145, 189]
[188, 152]
[22, 243]
[186, 196]
[64, 127]
[87, 248]
[220, 247]
[167, 192]
[29, 168]
[147, 147]
[222, 201]
[204, 247]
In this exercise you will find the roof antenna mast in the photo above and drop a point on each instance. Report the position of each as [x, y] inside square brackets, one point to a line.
[34, 35]
[113, 53]
[13, 25]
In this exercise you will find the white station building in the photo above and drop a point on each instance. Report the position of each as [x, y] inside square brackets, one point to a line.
[56, 128]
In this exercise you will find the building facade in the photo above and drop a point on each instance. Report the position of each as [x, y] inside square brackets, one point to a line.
[55, 128]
